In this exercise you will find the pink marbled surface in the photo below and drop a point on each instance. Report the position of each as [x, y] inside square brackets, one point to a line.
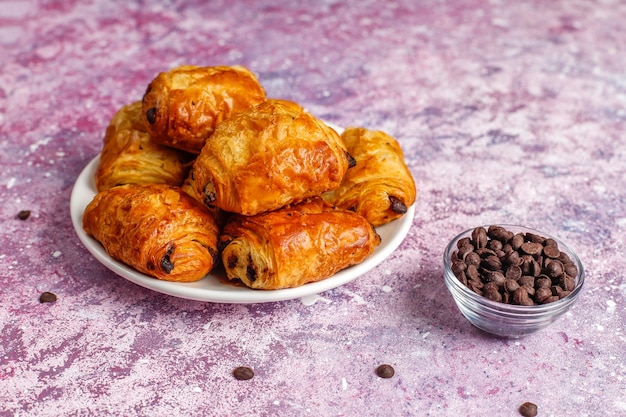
[507, 111]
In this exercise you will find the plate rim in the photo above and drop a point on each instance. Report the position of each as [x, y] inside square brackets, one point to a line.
[231, 293]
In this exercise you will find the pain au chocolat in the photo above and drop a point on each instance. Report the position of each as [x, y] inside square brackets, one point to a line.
[129, 156]
[157, 229]
[380, 186]
[295, 245]
[183, 106]
[268, 156]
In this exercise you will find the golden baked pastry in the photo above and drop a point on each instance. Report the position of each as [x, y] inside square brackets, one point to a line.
[157, 229]
[182, 107]
[294, 245]
[189, 186]
[380, 187]
[129, 156]
[268, 156]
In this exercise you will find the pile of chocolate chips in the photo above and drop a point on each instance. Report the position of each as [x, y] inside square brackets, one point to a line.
[513, 268]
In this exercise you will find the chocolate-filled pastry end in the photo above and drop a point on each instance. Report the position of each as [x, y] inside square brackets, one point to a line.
[157, 229]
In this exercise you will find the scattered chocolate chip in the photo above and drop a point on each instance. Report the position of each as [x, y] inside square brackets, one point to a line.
[385, 371]
[528, 409]
[23, 214]
[243, 373]
[47, 297]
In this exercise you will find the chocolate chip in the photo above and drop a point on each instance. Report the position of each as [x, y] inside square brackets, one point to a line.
[243, 373]
[351, 160]
[510, 285]
[571, 270]
[495, 245]
[209, 193]
[166, 262]
[397, 205]
[464, 241]
[232, 261]
[531, 248]
[513, 258]
[567, 283]
[492, 263]
[517, 241]
[385, 371]
[151, 115]
[514, 272]
[528, 409]
[555, 269]
[551, 251]
[527, 280]
[532, 237]
[542, 294]
[493, 295]
[499, 233]
[47, 297]
[23, 214]
[251, 272]
[479, 237]
[464, 250]
[551, 299]
[490, 287]
[496, 277]
[543, 281]
[472, 273]
[472, 258]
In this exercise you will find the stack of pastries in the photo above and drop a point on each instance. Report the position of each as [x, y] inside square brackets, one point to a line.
[206, 171]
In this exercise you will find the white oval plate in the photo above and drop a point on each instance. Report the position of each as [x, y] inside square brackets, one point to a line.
[211, 288]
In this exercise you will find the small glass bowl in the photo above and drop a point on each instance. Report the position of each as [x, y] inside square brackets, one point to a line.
[502, 319]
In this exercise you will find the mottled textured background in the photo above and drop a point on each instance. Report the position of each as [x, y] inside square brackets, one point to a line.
[508, 111]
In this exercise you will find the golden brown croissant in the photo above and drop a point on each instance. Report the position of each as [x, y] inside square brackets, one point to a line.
[130, 157]
[182, 107]
[380, 187]
[294, 245]
[269, 156]
[157, 229]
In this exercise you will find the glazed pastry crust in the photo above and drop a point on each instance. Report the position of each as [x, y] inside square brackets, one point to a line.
[157, 229]
[183, 106]
[295, 245]
[269, 156]
[129, 156]
[380, 187]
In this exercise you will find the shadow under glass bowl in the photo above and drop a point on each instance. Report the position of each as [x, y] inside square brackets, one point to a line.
[502, 319]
